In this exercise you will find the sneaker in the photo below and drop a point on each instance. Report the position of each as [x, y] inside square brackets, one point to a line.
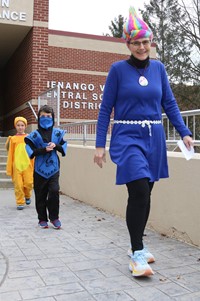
[28, 201]
[56, 224]
[20, 207]
[148, 256]
[139, 266]
[43, 224]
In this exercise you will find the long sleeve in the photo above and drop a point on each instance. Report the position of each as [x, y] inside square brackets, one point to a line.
[109, 98]
[35, 151]
[10, 159]
[7, 142]
[61, 147]
[171, 108]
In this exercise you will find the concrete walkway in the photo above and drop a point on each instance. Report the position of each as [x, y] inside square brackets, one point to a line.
[87, 259]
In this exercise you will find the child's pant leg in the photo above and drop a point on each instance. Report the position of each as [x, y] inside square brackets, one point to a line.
[53, 201]
[28, 182]
[19, 188]
[41, 191]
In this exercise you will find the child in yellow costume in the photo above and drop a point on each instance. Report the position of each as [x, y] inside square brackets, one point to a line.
[19, 166]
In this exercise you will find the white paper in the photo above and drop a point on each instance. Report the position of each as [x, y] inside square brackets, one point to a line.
[187, 153]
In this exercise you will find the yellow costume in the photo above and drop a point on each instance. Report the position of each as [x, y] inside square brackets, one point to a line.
[19, 167]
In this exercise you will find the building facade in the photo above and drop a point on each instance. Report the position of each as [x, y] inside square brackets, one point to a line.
[34, 61]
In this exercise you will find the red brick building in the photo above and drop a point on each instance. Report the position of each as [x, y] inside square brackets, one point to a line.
[34, 59]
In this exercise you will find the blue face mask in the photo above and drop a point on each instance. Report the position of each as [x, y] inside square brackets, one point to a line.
[46, 122]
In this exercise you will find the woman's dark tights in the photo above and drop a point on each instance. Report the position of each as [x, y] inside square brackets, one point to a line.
[138, 209]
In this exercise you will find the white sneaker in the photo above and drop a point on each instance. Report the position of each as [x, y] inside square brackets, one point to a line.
[139, 266]
[148, 256]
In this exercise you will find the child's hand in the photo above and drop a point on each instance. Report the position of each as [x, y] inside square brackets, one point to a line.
[50, 146]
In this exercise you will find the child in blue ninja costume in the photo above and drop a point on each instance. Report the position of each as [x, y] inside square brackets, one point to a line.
[43, 144]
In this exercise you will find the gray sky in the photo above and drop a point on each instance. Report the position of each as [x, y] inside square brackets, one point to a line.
[88, 16]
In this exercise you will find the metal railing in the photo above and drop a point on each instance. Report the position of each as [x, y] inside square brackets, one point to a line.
[85, 132]
[32, 109]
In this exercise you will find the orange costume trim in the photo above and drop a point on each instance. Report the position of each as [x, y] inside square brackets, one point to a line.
[20, 168]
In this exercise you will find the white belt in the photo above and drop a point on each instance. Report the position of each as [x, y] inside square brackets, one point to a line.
[141, 122]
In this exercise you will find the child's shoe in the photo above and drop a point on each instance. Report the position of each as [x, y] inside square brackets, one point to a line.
[56, 223]
[139, 266]
[20, 207]
[43, 224]
[28, 201]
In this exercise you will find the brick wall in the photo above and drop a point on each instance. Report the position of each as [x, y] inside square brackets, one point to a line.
[41, 10]
[82, 59]
[17, 75]
[40, 48]
[17, 79]
[39, 60]
[25, 74]
[70, 107]
[80, 104]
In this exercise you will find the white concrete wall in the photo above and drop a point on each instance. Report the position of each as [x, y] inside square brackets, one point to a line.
[175, 207]
[92, 43]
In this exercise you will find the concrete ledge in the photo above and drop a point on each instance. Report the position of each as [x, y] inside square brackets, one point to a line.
[175, 201]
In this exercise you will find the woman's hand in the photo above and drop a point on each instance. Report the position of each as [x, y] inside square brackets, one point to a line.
[100, 156]
[188, 141]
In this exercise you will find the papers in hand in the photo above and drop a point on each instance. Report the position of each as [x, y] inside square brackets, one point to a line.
[187, 153]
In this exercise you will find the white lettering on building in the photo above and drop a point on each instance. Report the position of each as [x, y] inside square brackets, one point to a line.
[6, 14]
[5, 3]
[76, 95]
[81, 105]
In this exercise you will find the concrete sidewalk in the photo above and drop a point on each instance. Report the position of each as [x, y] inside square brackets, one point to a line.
[87, 259]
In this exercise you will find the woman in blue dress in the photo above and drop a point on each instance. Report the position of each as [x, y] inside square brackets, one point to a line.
[137, 90]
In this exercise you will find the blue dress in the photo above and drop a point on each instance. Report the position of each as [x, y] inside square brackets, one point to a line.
[138, 149]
